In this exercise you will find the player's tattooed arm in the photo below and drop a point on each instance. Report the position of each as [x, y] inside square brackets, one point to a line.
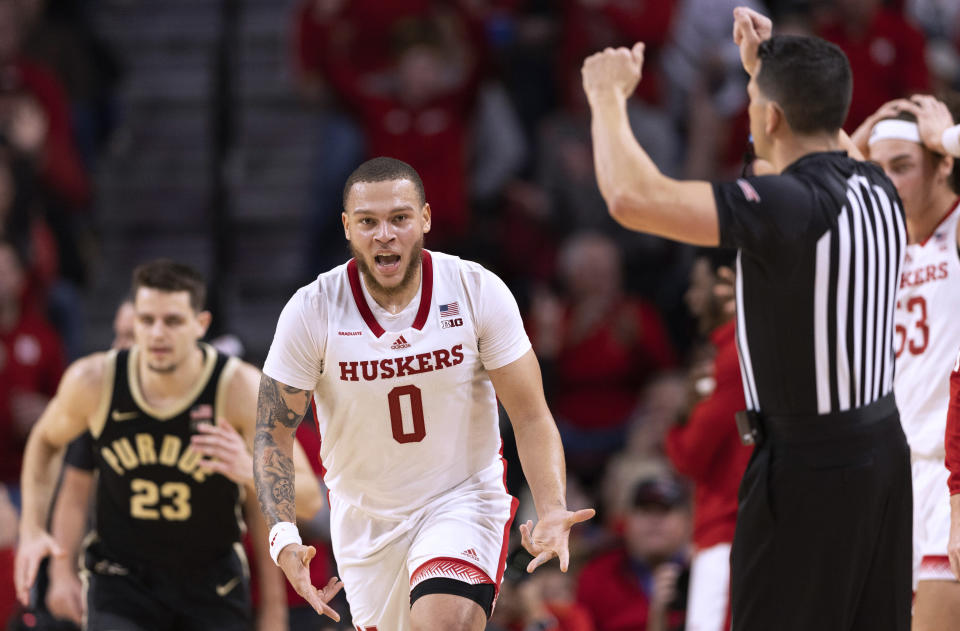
[280, 408]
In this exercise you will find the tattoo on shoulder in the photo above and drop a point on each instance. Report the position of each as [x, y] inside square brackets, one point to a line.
[279, 403]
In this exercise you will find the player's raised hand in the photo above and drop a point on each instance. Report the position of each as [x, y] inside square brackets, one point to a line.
[749, 29]
[224, 451]
[550, 538]
[31, 550]
[861, 135]
[295, 562]
[933, 118]
[613, 71]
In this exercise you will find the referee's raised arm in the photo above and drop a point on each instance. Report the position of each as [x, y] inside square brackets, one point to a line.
[824, 526]
[638, 196]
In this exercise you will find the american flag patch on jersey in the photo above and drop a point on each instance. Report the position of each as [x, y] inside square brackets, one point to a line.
[449, 310]
[201, 412]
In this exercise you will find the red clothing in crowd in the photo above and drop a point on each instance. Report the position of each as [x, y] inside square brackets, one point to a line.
[31, 361]
[587, 29]
[707, 449]
[431, 135]
[952, 438]
[612, 593]
[370, 22]
[569, 616]
[599, 376]
[887, 61]
[61, 167]
[8, 598]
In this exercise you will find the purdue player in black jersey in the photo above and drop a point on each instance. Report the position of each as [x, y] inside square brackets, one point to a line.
[166, 553]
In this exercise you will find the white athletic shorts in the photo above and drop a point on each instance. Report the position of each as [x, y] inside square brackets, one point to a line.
[709, 597]
[462, 535]
[931, 520]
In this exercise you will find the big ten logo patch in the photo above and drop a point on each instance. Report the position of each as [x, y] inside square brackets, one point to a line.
[450, 323]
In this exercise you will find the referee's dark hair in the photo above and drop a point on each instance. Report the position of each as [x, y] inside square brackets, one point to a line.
[809, 78]
[383, 169]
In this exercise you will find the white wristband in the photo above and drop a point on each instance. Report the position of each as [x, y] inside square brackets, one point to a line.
[282, 534]
[951, 140]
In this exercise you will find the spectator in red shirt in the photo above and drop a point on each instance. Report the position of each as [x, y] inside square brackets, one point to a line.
[886, 54]
[598, 347]
[641, 585]
[707, 449]
[35, 114]
[591, 25]
[415, 108]
[31, 362]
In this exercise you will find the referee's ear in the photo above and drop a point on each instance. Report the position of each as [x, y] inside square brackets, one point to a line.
[775, 118]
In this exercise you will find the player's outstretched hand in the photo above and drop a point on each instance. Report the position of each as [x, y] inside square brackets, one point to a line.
[749, 29]
[933, 118]
[613, 71]
[30, 552]
[224, 451]
[550, 538]
[295, 562]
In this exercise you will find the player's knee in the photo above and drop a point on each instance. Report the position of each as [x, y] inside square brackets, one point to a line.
[435, 606]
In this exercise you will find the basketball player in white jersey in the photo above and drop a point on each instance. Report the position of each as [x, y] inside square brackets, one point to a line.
[927, 335]
[404, 353]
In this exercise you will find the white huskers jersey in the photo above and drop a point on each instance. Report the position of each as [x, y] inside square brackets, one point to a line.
[405, 407]
[927, 336]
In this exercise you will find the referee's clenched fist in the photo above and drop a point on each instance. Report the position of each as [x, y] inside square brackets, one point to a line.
[613, 69]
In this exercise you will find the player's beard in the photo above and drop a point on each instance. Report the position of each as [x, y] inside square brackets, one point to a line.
[409, 275]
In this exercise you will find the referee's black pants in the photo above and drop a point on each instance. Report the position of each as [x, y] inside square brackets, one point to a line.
[825, 525]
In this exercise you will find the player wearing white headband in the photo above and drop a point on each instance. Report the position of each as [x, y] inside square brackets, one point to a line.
[927, 334]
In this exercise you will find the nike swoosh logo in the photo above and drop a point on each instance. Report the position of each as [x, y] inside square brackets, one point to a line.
[124, 416]
[223, 590]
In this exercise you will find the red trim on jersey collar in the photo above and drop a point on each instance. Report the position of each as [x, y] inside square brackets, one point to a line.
[426, 295]
[952, 210]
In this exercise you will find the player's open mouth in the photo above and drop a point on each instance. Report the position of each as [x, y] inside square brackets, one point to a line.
[387, 263]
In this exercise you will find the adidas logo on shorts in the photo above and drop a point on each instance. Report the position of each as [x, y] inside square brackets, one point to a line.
[470, 552]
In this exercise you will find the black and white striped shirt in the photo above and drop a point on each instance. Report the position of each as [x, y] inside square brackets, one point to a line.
[821, 247]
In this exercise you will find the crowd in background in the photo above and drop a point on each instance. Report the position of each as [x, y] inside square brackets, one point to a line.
[483, 98]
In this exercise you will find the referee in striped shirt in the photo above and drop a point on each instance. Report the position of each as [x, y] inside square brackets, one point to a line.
[823, 537]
